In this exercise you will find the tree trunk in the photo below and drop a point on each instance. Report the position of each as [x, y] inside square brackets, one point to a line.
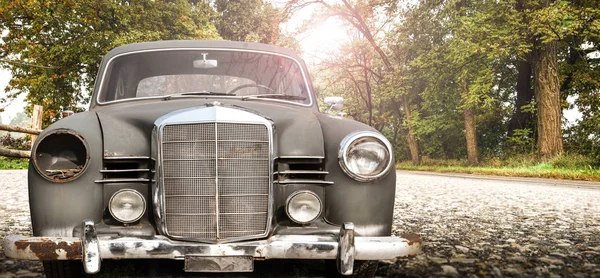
[411, 139]
[470, 126]
[525, 94]
[471, 136]
[547, 95]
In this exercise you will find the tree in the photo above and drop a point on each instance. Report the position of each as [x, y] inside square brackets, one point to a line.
[250, 20]
[362, 17]
[54, 48]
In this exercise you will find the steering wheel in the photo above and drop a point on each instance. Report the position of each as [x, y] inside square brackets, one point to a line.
[250, 86]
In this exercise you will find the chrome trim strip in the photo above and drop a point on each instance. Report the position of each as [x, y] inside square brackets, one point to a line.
[230, 195]
[212, 114]
[300, 157]
[224, 213]
[216, 179]
[124, 170]
[121, 180]
[296, 181]
[104, 72]
[240, 177]
[199, 159]
[194, 141]
[125, 157]
[295, 172]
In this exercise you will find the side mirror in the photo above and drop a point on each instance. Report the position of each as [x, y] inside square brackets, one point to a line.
[66, 113]
[336, 103]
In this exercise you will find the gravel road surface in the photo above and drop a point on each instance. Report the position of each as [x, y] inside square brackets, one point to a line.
[472, 226]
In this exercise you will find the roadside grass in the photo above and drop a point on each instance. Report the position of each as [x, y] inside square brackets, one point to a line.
[7, 163]
[567, 167]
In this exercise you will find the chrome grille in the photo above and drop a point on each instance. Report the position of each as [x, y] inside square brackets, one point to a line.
[216, 180]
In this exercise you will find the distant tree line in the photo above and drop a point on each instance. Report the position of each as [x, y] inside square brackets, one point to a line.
[454, 79]
[53, 48]
[447, 79]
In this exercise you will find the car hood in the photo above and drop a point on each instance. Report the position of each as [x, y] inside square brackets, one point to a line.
[127, 126]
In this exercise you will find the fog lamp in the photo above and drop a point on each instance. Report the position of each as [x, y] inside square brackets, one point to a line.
[127, 205]
[303, 206]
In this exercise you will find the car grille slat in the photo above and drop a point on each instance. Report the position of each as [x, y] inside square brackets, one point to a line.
[216, 180]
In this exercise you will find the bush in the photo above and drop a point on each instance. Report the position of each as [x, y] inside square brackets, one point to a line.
[13, 163]
[10, 142]
[567, 161]
[572, 162]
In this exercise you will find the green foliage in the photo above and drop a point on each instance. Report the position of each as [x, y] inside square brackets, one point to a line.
[7, 163]
[522, 139]
[250, 20]
[449, 56]
[53, 48]
[58, 45]
[570, 167]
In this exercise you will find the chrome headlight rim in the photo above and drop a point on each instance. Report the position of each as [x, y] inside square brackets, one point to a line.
[349, 140]
[296, 193]
[127, 190]
[35, 154]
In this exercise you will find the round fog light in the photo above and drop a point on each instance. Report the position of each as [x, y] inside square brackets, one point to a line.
[303, 206]
[127, 205]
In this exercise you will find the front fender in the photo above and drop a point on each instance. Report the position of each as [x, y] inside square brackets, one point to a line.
[369, 205]
[57, 207]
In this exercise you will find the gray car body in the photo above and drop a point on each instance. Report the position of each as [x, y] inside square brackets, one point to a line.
[124, 129]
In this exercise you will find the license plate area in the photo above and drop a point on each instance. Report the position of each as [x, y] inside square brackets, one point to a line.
[219, 264]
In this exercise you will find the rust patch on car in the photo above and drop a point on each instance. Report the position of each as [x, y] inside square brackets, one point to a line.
[412, 239]
[63, 174]
[45, 249]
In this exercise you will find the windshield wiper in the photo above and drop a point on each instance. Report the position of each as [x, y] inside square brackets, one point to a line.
[275, 96]
[200, 93]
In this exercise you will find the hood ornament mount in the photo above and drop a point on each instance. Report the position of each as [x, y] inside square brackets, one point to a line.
[214, 103]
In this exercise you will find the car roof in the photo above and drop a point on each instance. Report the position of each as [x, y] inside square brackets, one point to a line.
[200, 44]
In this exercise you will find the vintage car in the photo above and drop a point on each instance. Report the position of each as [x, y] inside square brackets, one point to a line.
[214, 153]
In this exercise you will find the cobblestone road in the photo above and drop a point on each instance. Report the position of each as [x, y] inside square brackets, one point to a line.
[471, 227]
[483, 227]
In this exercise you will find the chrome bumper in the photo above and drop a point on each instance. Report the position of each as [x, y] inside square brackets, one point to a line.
[91, 248]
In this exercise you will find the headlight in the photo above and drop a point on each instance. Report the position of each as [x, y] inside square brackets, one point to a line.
[60, 156]
[365, 156]
[303, 206]
[127, 205]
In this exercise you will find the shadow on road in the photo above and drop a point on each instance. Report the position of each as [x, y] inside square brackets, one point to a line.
[170, 268]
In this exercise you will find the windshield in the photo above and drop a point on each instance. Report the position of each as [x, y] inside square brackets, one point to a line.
[204, 72]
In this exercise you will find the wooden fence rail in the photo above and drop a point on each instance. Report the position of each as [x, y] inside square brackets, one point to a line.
[14, 153]
[36, 120]
[13, 128]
